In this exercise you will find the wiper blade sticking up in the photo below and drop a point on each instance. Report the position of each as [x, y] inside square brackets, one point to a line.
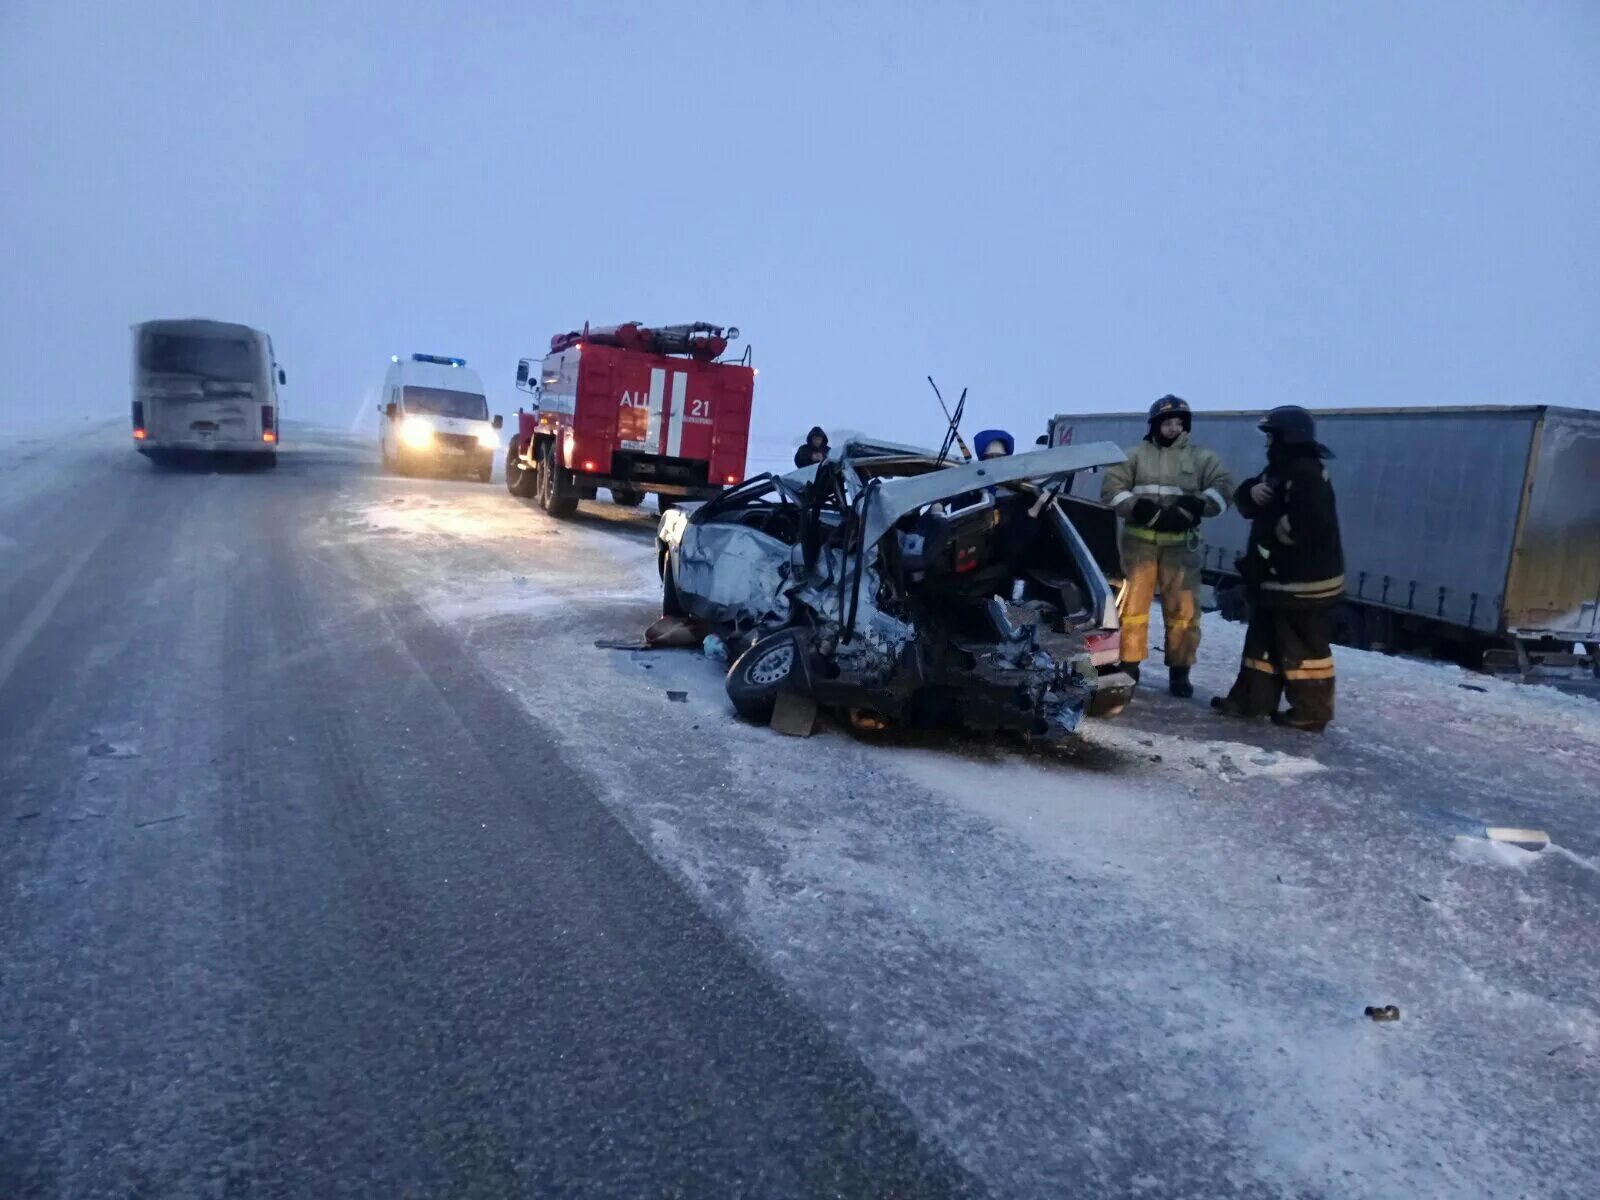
[953, 433]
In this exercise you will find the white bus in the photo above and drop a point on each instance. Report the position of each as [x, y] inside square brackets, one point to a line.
[204, 387]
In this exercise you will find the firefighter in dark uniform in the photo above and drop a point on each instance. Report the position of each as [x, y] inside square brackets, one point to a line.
[1294, 571]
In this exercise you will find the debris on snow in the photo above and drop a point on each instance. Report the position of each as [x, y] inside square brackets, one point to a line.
[621, 644]
[1477, 851]
[678, 697]
[1528, 839]
[1385, 1012]
[112, 750]
[714, 648]
[676, 631]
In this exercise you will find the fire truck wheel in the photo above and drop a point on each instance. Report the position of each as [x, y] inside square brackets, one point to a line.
[627, 497]
[761, 672]
[557, 494]
[671, 605]
[520, 481]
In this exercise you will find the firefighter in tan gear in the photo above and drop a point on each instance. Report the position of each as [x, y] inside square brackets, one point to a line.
[1162, 492]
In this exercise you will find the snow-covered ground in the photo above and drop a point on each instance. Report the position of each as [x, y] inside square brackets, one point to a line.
[1136, 964]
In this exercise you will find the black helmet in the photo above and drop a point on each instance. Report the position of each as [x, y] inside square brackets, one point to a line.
[1170, 406]
[1291, 425]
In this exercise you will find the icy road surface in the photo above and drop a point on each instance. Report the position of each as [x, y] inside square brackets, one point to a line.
[340, 861]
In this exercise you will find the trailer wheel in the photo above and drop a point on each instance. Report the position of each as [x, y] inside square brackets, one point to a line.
[557, 494]
[627, 497]
[761, 672]
[520, 481]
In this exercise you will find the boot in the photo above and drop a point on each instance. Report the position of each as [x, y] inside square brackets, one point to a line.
[1130, 669]
[1287, 720]
[1178, 682]
[1227, 707]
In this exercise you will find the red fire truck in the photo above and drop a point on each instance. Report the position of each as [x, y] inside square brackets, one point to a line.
[634, 410]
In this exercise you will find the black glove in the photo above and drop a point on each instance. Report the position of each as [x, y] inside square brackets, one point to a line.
[1143, 509]
[1193, 505]
[1173, 520]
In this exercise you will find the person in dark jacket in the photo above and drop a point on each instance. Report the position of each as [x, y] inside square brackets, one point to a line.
[814, 449]
[1294, 571]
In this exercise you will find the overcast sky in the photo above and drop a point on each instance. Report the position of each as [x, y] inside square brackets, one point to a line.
[1061, 206]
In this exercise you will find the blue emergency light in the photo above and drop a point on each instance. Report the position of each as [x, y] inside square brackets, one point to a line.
[440, 359]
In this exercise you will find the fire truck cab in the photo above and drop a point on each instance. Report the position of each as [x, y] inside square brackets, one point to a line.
[632, 409]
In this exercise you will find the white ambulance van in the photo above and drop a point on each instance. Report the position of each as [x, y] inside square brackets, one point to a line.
[433, 416]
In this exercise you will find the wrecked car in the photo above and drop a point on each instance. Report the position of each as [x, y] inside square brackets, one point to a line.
[897, 588]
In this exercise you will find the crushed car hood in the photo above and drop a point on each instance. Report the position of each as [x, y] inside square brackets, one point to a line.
[890, 499]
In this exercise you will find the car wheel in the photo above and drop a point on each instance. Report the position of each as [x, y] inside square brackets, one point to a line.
[671, 603]
[763, 671]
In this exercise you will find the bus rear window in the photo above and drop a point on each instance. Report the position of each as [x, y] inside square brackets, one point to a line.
[442, 402]
[209, 358]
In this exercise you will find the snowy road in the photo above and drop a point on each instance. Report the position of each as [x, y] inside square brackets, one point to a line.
[339, 861]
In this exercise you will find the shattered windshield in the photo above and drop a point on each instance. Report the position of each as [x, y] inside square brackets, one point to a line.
[442, 402]
[230, 359]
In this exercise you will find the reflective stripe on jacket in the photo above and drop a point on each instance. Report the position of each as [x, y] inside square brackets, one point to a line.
[1163, 473]
[1159, 537]
[1294, 556]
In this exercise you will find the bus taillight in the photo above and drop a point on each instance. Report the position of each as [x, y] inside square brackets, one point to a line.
[269, 432]
[138, 420]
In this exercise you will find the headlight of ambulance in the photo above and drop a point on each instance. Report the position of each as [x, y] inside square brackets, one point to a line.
[489, 438]
[417, 432]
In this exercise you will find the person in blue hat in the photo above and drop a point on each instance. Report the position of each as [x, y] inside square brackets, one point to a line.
[993, 443]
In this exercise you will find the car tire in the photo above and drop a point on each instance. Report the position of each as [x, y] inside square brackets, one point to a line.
[671, 602]
[520, 481]
[762, 672]
[557, 494]
[627, 497]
